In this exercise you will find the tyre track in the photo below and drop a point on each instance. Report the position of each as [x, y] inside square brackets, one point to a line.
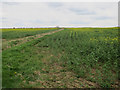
[27, 39]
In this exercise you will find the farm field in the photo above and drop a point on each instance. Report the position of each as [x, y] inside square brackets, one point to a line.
[18, 36]
[68, 58]
[23, 32]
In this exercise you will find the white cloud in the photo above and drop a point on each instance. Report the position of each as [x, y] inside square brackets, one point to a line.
[36, 14]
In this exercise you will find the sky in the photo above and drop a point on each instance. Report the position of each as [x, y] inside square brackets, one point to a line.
[43, 14]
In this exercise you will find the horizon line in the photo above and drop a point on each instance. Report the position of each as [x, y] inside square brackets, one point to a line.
[60, 26]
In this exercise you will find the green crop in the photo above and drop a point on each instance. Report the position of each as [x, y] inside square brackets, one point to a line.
[90, 53]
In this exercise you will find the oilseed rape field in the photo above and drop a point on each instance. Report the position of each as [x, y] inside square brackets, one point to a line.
[60, 58]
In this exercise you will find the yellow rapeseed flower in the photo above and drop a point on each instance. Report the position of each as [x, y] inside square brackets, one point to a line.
[106, 39]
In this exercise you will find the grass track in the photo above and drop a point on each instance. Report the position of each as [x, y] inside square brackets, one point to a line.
[9, 34]
[17, 41]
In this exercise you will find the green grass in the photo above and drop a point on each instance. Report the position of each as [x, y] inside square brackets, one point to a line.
[25, 32]
[91, 53]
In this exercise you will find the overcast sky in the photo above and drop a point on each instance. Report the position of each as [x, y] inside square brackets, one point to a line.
[37, 14]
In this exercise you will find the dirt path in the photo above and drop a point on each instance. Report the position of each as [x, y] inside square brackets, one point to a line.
[54, 75]
[60, 77]
[37, 36]
[15, 42]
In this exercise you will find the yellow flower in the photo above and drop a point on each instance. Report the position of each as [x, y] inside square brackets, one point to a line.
[115, 39]
[106, 39]
[15, 72]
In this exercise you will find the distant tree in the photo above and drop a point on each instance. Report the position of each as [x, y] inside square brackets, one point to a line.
[57, 26]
